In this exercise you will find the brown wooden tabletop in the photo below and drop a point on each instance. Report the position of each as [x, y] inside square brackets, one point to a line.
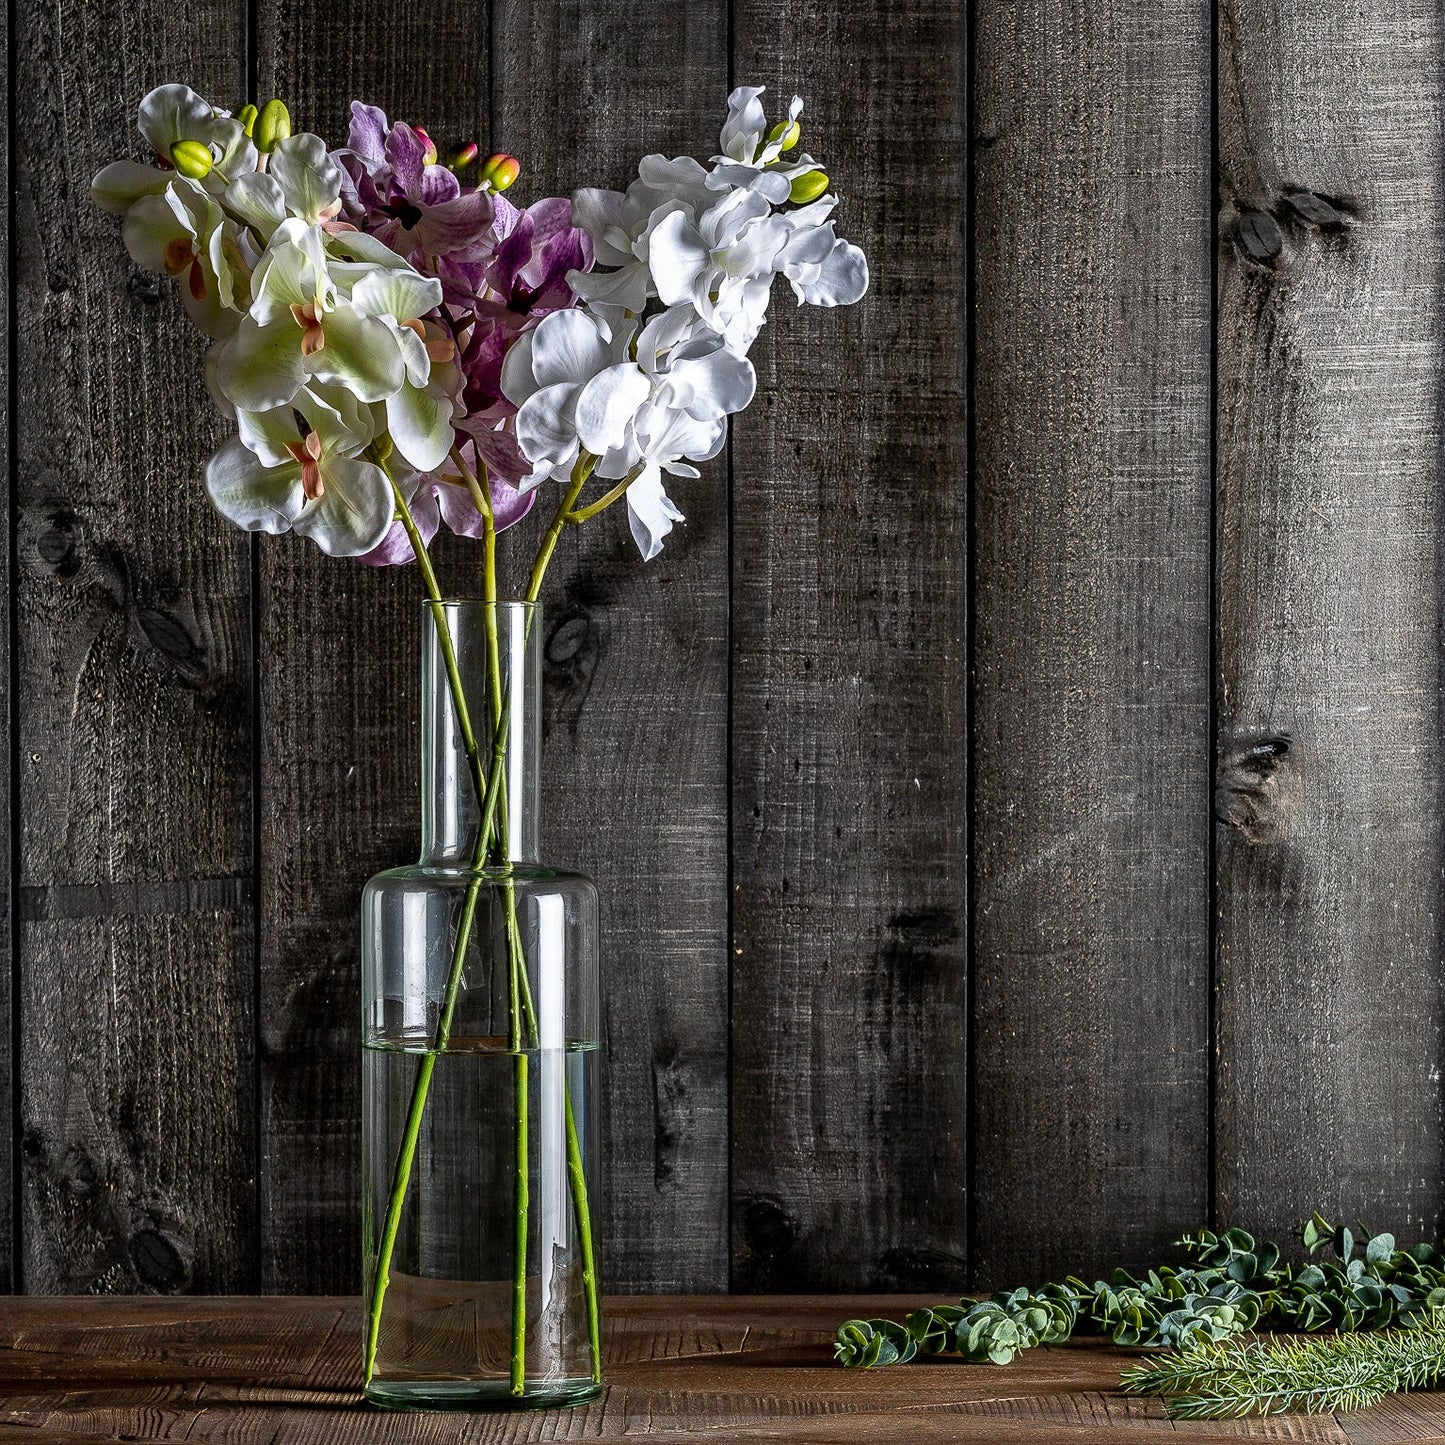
[706, 1368]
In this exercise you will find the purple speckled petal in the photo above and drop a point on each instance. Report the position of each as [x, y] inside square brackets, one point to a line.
[406, 154]
[438, 185]
[455, 225]
[367, 136]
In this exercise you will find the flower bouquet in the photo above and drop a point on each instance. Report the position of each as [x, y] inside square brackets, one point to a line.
[401, 348]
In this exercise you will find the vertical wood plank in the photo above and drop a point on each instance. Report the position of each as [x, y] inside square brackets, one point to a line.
[849, 694]
[1329, 847]
[339, 689]
[133, 686]
[636, 659]
[7, 715]
[1092, 508]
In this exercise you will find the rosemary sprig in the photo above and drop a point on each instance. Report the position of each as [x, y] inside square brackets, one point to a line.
[1223, 1379]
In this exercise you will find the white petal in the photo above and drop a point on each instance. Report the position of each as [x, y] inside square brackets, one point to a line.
[744, 125]
[547, 430]
[360, 353]
[840, 279]
[171, 113]
[518, 382]
[261, 366]
[677, 256]
[567, 347]
[150, 226]
[607, 403]
[122, 183]
[404, 295]
[597, 212]
[420, 423]
[651, 512]
[255, 497]
[309, 179]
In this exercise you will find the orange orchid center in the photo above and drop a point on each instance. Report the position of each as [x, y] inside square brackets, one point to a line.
[313, 338]
[178, 254]
[307, 455]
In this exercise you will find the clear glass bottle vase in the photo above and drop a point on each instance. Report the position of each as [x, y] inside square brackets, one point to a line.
[480, 1056]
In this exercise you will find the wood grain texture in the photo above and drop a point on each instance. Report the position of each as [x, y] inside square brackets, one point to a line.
[340, 691]
[1092, 504]
[7, 726]
[133, 724]
[849, 716]
[1330, 332]
[687, 1371]
[637, 668]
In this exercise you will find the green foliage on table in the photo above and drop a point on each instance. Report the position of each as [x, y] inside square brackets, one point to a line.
[1224, 1379]
[1231, 1284]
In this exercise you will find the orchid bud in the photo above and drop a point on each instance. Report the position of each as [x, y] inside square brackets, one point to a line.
[462, 156]
[808, 187]
[272, 126]
[247, 116]
[500, 171]
[785, 135]
[429, 156]
[192, 159]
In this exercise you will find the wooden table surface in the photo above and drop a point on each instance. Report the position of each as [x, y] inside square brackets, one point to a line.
[708, 1368]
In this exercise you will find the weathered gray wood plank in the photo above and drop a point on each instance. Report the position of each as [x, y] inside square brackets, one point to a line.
[849, 690]
[134, 677]
[1329, 872]
[636, 656]
[1091, 724]
[339, 690]
[7, 724]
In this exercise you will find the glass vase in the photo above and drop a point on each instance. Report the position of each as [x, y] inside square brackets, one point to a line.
[480, 1057]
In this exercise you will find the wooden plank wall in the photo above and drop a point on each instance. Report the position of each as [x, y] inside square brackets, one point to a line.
[1112, 510]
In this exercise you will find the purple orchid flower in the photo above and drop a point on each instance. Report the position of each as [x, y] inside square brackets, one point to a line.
[442, 497]
[394, 189]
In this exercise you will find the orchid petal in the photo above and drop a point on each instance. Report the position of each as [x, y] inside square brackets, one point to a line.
[309, 179]
[567, 346]
[677, 256]
[261, 366]
[403, 295]
[607, 403]
[420, 422]
[651, 512]
[122, 183]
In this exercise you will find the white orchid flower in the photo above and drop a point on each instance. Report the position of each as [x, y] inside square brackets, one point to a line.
[722, 264]
[749, 159]
[574, 388]
[822, 269]
[419, 413]
[303, 472]
[183, 232]
[301, 327]
[694, 384]
[172, 113]
[621, 228]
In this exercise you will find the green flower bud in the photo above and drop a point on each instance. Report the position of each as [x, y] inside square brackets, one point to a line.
[247, 116]
[808, 187]
[500, 171]
[272, 126]
[785, 135]
[192, 159]
[462, 157]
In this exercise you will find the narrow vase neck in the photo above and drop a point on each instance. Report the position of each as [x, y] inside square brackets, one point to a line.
[495, 657]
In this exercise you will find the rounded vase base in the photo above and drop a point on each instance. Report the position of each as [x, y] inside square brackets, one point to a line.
[481, 1394]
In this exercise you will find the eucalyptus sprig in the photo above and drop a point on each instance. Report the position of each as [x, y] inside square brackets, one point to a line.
[1224, 1379]
[1232, 1284]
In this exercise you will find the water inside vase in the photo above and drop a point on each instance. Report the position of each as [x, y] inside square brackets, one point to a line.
[448, 1316]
